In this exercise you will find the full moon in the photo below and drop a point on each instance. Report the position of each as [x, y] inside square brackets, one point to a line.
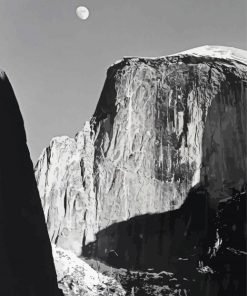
[82, 12]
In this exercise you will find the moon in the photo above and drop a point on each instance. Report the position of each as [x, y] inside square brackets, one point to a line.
[82, 12]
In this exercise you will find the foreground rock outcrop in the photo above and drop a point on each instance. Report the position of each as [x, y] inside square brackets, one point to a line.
[161, 128]
[77, 278]
[26, 263]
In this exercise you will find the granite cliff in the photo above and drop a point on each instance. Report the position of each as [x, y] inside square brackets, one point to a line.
[163, 127]
[26, 262]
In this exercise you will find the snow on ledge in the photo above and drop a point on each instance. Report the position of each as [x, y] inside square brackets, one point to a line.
[215, 51]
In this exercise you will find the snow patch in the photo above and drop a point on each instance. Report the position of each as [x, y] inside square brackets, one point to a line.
[215, 51]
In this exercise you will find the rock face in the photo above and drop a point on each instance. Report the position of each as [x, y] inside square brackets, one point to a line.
[26, 263]
[66, 182]
[162, 126]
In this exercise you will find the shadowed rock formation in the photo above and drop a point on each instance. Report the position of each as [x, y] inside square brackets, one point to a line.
[26, 263]
[194, 242]
[157, 241]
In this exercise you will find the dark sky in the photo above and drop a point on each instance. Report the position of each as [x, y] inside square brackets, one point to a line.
[57, 63]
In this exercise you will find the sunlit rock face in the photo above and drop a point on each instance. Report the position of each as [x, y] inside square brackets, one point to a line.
[161, 126]
[65, 180]
[26, 263]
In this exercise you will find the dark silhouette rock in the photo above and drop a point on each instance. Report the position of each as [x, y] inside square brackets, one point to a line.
[26, 263]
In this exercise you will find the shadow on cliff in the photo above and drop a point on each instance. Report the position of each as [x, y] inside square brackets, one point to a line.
[157, 241]
[196, 242]
[26, 263]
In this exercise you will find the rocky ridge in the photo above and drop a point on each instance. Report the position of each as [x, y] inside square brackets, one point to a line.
[161, 127]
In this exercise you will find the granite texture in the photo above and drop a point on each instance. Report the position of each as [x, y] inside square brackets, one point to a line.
[162, 126]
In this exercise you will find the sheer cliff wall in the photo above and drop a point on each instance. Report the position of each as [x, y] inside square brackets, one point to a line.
[161, 127]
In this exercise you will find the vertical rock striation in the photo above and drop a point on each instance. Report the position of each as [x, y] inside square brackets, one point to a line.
[26, 263]
[64, 174]
[161, 127]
